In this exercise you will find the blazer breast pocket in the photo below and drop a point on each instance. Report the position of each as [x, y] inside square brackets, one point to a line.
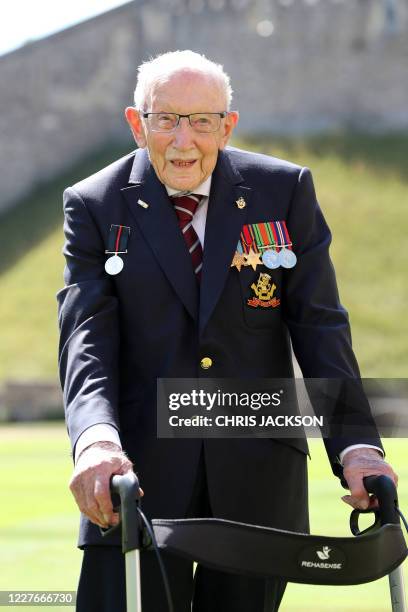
[261, 296]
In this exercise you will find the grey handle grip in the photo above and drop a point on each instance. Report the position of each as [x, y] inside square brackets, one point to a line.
[385, 491]
[127, 487]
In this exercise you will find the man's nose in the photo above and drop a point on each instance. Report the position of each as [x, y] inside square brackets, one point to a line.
[183, 134]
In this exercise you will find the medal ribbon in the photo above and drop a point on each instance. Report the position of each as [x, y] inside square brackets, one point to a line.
[247, 238]
[118, 239]
[259, 236]
[284, 232]
[265, 238]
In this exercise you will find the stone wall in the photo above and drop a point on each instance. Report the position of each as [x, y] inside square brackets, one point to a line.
[296, 66]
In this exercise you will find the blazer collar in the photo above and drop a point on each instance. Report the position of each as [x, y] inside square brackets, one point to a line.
[141, 168]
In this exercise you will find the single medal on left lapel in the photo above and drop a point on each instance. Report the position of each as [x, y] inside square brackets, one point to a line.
[114, 265]
[117, 245]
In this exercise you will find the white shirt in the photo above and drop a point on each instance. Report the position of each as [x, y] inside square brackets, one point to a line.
[104, 432]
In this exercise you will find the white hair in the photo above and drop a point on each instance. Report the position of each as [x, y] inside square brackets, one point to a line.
[158, 70]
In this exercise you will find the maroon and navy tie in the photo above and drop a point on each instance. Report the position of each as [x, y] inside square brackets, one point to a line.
[185, 207]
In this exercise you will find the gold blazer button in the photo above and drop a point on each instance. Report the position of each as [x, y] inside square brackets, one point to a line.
[206, 363]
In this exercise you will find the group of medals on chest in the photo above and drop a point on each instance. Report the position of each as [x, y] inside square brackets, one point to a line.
[267, 243]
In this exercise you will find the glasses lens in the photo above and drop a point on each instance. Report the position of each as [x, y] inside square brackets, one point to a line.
[205, 122]
[163, 122]
[200, 122]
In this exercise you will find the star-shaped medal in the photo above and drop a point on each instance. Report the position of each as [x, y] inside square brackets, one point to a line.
[253, 259]
[238, 261]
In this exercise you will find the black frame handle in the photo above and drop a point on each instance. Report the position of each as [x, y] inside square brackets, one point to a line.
[385, 491]
[127, 487]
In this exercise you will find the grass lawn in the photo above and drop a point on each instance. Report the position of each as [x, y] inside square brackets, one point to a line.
[38, 517]
[38, 520]
[362, 185]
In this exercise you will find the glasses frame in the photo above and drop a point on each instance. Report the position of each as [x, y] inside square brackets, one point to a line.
[221, 114]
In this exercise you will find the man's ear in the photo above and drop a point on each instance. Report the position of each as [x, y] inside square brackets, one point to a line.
[230, 122]
[136, 125]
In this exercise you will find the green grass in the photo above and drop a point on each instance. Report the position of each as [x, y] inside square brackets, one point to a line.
[362, 184]
[38, 520]
[38, 516]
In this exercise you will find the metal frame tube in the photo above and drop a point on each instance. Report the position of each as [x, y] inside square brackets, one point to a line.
[133, 581]
[397, 592]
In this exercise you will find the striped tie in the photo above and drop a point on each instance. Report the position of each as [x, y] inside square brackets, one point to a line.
[185, 207]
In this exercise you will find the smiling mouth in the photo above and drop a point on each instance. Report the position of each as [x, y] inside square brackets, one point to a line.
[179, 163]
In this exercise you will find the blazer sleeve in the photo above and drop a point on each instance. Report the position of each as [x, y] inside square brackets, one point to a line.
[318, 323]
[88, 322]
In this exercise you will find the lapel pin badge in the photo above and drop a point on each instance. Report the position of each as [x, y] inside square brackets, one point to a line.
[142, 204]
[240, 203]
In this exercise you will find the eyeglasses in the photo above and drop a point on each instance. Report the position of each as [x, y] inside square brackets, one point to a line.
[204, 123]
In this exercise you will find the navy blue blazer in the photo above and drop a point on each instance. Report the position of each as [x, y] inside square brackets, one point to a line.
[120, 333]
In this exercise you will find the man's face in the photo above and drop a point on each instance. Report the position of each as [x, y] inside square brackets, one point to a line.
[184, 158]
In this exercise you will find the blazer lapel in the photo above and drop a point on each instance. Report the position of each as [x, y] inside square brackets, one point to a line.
[159, 225]
[222, 231]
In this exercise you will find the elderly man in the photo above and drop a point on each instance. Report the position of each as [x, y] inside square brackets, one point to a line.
[164, 250]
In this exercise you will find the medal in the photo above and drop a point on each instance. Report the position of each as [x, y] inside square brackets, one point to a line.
[270, 259]
[117, 244]
[253, 259]
[114, 265]
[238, 261]
[287, 258]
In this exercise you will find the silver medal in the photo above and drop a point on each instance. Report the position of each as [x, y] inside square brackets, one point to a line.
[114, 265]
[287, 258]
[270, 259]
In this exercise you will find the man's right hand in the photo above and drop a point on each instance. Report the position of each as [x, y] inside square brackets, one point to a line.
[90, 481]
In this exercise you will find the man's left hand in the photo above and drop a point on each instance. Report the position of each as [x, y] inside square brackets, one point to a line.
[357, 464]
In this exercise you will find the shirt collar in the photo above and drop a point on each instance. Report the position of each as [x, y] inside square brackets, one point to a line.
[203, 189]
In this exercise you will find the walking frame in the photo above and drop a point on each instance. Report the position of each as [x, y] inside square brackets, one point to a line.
[262, 551]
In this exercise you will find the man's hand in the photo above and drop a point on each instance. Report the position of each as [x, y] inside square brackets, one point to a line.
[90, 481]
[357, 464]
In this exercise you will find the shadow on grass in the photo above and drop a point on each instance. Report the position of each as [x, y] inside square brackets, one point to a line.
[37, 215]
[387, 152]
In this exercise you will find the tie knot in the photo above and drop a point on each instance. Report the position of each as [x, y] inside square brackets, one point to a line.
[186, 206]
